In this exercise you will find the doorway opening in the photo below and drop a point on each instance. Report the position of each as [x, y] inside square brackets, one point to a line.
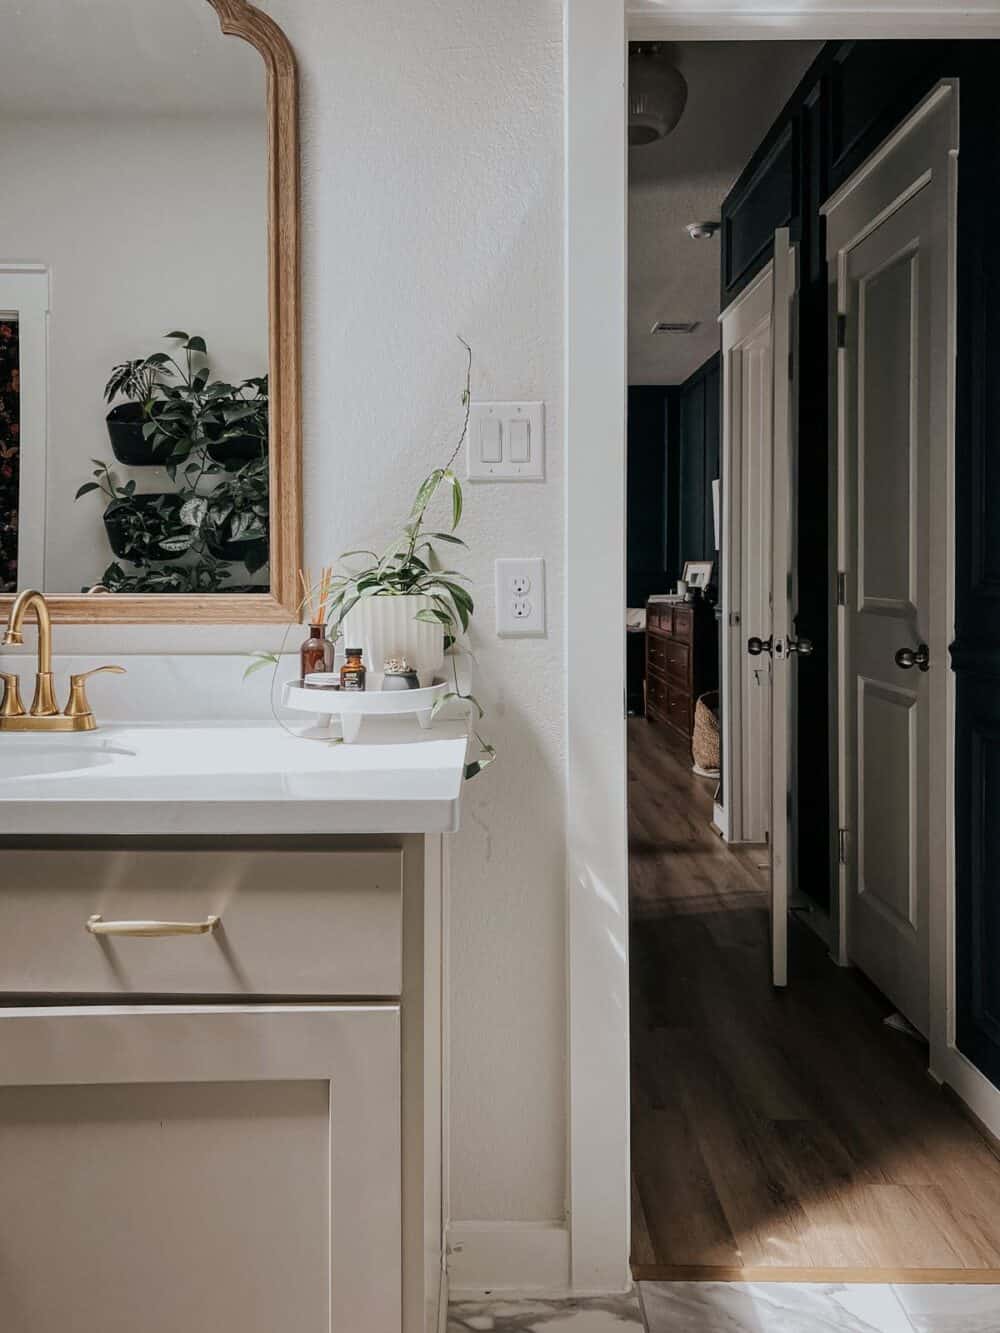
[803, 383]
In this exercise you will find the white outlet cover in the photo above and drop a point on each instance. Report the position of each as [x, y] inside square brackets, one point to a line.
[520, 597]
[506, 442]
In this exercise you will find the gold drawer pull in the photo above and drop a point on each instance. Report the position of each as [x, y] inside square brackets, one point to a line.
[150, 930]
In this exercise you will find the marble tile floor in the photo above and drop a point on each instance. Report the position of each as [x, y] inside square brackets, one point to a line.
[738, 1307]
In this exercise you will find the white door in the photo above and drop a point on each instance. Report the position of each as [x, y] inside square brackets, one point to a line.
[747, 372]
[888, 244]
[785, 647]
[205, 1168]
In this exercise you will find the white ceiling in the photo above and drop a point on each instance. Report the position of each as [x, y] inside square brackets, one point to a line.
[735, 91]
[114, 57]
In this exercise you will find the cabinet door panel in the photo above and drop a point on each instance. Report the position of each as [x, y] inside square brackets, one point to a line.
[200, 1169]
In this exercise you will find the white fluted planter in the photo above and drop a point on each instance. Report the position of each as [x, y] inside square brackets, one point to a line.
[387, 627]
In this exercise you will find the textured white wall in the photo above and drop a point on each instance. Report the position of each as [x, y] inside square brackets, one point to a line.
[146, 224]
[432, 193]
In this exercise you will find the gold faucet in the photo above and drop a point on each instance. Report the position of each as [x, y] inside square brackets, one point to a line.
[44, 714]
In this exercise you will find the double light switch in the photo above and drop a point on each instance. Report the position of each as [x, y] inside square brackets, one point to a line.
[506, 442]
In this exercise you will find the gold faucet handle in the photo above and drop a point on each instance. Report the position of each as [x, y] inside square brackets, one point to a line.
[77, 705]
[11, 706]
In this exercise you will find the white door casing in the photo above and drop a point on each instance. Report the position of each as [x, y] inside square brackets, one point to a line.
[783, 537]
[24, 295]
[890, 248]
[747, 380]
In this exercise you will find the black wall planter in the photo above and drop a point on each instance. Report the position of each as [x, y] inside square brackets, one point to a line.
[117, 527]
[128, 442]
[234, 451]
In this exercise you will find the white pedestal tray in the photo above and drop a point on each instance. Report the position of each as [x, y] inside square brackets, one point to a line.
[350, 707]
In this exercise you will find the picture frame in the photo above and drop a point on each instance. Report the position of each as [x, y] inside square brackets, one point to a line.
[698, 573]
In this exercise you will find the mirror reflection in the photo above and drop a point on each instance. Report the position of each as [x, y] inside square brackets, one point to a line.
[133, 300]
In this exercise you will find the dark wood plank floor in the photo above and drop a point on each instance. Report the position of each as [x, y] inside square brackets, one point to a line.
[775, 1132]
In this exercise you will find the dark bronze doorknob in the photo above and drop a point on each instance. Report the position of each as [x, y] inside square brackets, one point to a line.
[803, 646]
[757, 646]
[914, 657]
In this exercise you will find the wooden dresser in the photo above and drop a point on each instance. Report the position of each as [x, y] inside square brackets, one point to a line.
[682, 661]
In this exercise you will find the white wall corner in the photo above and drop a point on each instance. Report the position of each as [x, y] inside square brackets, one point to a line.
[597, 842]
[513, 1258]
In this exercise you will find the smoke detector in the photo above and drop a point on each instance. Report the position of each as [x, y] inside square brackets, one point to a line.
[701, 231]
[674, 326]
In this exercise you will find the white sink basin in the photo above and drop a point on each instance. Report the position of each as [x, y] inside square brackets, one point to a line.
[38, 756]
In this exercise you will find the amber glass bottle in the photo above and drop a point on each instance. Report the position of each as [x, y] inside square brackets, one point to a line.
[352, 673]
[316, 653]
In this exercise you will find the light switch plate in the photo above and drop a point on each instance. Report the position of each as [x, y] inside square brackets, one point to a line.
[506, 442]
[520, 598]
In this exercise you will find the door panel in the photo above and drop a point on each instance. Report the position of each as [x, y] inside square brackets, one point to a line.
[888, 382]
[890, 253]
[888, 871]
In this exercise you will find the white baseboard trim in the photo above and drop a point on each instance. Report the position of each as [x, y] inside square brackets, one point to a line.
[516, 1258]
[979, 1094]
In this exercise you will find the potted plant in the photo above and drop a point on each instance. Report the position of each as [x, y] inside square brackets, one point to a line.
[404, 603]
[232, 521]
[235, 422]
[204, 575]
[153, 426]
[140, 527]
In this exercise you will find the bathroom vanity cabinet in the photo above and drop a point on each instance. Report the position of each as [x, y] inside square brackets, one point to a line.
[236, 1129]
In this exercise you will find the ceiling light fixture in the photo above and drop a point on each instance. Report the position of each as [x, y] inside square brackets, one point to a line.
[667, 326]
[657, 93]
[701, 231]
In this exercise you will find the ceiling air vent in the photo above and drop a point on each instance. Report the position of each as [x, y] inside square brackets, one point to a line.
[672, 326]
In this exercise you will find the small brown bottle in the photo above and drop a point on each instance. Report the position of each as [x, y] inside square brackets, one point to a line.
[352, 673]
[316, 653]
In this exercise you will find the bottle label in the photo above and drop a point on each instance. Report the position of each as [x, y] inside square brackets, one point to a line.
[352, 678]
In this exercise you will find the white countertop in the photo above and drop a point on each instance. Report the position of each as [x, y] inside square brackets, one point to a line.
[233, 777]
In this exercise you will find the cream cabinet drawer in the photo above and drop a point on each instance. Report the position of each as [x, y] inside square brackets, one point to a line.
[286, 923]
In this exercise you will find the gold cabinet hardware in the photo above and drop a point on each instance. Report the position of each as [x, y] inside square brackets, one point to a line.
[150, 930]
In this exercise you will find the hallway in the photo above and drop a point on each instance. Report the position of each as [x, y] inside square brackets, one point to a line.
[775, 1135]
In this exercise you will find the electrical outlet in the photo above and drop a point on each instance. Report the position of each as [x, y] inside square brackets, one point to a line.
[520, 597]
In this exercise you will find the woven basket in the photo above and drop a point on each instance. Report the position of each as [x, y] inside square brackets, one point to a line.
[705, 741]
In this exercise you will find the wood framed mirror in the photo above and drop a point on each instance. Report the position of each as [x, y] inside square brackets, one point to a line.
[150, 439]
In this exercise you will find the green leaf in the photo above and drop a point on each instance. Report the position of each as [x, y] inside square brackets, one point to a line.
[193, 511]
[433, 616]
[440, 703]
[86, 488]
[427, 488]
[181, 542]
[195, 344]
[262, 660]
[177, 333]
[456, 499]
[478, 765]
[446, 537]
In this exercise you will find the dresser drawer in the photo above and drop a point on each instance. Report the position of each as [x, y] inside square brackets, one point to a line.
[289, 922]
[676, 662]
[682, 622]
[656, 652]
[660, 617]
[677, 710]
